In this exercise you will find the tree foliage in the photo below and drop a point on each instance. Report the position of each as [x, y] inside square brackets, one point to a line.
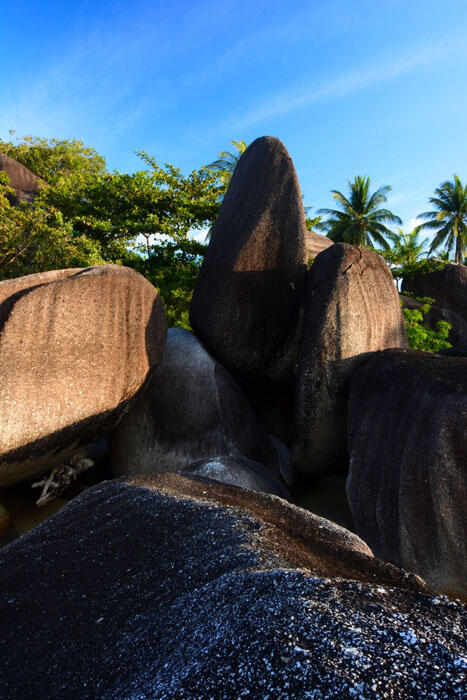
[360, 220]
[227, 162]
[420, 335]
[52, 159]
[449, 219]
[407, 255]
[34, 238]
[90, 216]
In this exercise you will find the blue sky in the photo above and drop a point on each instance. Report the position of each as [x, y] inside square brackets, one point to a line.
[350, 86]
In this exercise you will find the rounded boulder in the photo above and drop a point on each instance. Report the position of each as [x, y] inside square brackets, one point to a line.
[407, 484]
[352, 309]
[192, 409]
[75, 347]
[238, 471]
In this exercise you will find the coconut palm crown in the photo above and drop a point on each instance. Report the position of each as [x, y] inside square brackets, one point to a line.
[359, 221]
[449, 221]
[227, 161]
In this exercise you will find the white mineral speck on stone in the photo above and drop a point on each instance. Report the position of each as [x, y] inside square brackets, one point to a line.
[408, 636]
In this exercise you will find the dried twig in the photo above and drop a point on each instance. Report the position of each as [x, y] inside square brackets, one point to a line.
[61, 478]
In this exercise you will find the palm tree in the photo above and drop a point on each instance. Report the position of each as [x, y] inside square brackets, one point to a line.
[227, 161]
[359, 221]
[449, 221]
[406, 246]
[405, 252]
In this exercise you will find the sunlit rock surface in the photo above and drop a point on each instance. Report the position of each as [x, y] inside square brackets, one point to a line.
[75, 347]
[352, 308]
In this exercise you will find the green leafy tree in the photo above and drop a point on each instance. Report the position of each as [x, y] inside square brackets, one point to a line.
[52, 159]
[173, 268]
[149, 204]
[34, 238]
[404, 257]
[145, 220]
[89, 216]
[360, 220]
[449, 219]
[312, 222]
[420, 335]
[227, 162]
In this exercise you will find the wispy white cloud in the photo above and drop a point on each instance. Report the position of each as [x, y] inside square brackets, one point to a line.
[150, 54]
[411, 224]
[387, 69]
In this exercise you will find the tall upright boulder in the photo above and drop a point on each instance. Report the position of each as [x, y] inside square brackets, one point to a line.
[22, 179]
[192, 409]
[75, 347]
[246, 303]
[407, 484]
[352, 308]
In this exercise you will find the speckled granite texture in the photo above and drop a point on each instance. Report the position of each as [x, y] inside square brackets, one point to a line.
[161, 590]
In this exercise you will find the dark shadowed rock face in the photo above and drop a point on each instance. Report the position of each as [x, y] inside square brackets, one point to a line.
[75, 347]
[407, 485]
[22, 179]
[448, 287]
[273, 401]
[245, 306]
[193, 409]
[178, 589]
[238, 471]
[457, 351]
[352, 308]
[315, 244]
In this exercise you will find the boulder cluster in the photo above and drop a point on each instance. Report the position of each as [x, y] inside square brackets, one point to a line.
[192, 574]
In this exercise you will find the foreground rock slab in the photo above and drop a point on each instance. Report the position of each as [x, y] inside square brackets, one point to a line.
[245, 306]
[75, 347]
[173, 588]
[193, 409]
[407, 485]
[352, 308]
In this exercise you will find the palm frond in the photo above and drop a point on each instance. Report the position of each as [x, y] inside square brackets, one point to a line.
[376, 236]
[343, 200]
[378, 197]
[443, 237]
[386, 215]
